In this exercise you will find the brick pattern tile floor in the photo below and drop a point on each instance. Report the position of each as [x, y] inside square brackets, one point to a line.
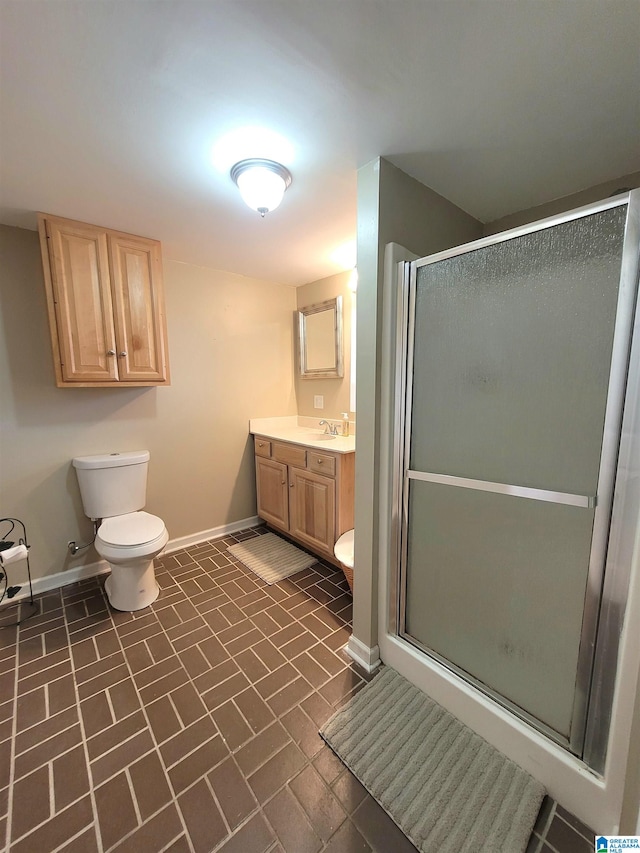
[192, 726]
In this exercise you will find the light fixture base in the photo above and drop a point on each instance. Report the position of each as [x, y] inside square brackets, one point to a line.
[243, 165]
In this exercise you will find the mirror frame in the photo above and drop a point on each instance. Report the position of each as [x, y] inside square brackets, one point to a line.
[337, 372]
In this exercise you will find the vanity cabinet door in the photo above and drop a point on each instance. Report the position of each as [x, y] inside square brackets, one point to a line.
[312, 509]
[272, 488]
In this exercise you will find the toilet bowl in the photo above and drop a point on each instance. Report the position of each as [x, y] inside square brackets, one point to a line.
[130, 543]
[113, 487]
[343, 550]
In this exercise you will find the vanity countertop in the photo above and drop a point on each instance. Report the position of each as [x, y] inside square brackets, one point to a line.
[301, 430]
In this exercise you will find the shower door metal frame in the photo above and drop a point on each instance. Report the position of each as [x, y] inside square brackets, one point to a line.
[601, 625]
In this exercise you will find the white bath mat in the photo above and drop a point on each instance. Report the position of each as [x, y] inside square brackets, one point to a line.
[272, 558]
[445, 786]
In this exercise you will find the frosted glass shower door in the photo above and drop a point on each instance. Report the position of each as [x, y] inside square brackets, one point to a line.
[509, 359]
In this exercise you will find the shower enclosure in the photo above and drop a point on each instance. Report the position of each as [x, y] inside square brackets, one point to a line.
[514, 360]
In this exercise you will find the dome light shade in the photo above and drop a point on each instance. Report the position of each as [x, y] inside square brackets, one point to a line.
[262, 183]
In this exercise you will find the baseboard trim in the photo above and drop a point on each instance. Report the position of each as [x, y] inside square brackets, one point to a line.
[60, 579]
[369, 659]
[213, 533]
[101, 567]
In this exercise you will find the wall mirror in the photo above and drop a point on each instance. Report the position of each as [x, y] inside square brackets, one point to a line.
[320, 340]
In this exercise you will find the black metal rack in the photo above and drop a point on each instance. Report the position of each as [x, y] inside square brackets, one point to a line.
[8, 592]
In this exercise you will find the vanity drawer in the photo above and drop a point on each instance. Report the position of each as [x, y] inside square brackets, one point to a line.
[263, 447]
[321, 463]
[290, 454]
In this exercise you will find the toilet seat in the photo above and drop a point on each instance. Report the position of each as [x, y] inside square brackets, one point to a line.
[344, 549]
[122, 538]
[131, 530]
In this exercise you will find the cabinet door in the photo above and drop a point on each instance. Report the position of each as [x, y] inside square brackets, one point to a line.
[138, 308]
[312, 509]
[273, 499]
[86, 344]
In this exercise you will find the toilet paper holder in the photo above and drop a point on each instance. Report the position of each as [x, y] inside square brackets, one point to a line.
[6, 545]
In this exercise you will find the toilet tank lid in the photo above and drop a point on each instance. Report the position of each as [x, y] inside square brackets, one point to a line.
[112, 460]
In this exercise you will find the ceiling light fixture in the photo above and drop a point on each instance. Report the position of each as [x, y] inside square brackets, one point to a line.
[261, 183]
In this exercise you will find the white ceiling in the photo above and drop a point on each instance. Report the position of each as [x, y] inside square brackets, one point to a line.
[110, 111]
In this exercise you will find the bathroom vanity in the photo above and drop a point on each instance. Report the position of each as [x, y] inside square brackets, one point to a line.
[305, 482]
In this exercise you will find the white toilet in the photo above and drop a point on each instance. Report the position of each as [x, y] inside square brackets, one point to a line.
[343, 550]
[113, 487]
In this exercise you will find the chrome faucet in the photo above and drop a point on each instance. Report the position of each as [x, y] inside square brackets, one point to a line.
[329, 428]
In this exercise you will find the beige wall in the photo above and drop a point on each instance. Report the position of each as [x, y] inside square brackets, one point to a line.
[418, 218]
[334, 391]
[392, 207]
[560, 205]
[231, 352]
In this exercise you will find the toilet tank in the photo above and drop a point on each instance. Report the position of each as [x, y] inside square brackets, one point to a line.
[112, 483]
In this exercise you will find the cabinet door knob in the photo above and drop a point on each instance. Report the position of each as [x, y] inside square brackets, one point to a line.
[283, 482]
[111, 352]
[261, 444]
[319, 461]
[291, 485]
[122, 354]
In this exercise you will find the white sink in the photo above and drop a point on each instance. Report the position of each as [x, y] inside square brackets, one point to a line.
[318, 436]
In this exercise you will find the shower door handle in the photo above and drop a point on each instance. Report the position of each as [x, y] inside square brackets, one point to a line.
[585, 501]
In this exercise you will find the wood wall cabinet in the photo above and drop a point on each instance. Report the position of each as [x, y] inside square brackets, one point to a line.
[306, 493]
[106, 305]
